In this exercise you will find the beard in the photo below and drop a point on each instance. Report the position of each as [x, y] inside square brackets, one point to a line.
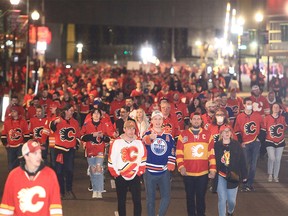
[196, 126]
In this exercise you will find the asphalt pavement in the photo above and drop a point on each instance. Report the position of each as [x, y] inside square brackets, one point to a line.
[268, 199]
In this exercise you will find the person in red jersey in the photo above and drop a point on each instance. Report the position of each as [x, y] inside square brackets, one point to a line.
[15, 103]
[181, 111]
[249, 128]
[137, 91]
[28, 98]
[260, 103]
[66, 131]
[164, 93]
[32, 188]
[211, 108]
[196, 163]
[116, 104]
[220, 118]
[170, 121]
[95, 133]
[45, 100]
[31, 111]
[275, 126]
[235, 104]
[39, 130]
[15, 132]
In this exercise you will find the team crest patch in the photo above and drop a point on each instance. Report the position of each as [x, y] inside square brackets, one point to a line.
[159, 147]
[185, 139]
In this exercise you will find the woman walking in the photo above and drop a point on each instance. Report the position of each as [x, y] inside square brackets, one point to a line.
[231, 167]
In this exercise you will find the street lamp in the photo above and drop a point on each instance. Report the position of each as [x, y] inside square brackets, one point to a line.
[35, 16]
[14, 2]
[79, 47]
[240, 24]
[259, 18]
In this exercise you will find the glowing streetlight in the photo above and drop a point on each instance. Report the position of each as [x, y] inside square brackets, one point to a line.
[259, 17]
[35, 15]
[146, 54]
[14, 2]
[79, 47]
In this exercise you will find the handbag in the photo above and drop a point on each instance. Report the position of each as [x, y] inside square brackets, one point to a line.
[232, 177]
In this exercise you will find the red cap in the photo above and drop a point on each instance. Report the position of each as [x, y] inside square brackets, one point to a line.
[225, 127]
[30, 146]
[192, 114]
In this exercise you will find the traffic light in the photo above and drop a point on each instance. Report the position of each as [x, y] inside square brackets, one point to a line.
[125, 52]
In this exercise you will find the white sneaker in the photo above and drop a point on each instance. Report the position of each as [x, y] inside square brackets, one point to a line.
[99, 195]
[276, 180]
[95, 194]
[270, 178]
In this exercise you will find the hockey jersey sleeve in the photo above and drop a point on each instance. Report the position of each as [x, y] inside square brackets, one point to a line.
[112, 158]
[180, 152]
[142, 166]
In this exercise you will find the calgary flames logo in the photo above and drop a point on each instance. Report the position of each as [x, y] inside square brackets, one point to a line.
[197, 151]
[250, 128]
[38, 132]
[27, 199]
[15, 134]
[129, 154]
[67, 134]
[235, 110]
[276, 130]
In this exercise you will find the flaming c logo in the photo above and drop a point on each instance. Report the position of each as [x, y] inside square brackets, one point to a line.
[276, 130]
[27, 197]
[129, 154]
[67, 134]
[37, 132]
[250, 128]
[15, 134]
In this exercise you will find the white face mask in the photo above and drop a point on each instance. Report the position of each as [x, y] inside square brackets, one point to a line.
[249, 107]
[220, 119]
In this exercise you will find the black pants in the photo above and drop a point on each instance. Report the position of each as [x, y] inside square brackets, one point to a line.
[195, 188]
[134, 186]
[64, 169]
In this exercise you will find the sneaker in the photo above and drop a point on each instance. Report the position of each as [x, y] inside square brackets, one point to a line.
[95, 194]
[244, 188]
[276, 180]
[270, 178]
[90, 189]
[99, 195]
[250, 188]
[70, 195]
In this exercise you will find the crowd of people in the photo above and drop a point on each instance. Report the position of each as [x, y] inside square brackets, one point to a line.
[152, 124]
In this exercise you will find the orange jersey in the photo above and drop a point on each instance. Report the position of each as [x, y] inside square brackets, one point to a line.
[195, 153]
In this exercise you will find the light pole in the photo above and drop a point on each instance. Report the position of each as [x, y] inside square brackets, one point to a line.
[79, 47]
[259, 18]
[35, 16]
[14, 3]
[240, 24]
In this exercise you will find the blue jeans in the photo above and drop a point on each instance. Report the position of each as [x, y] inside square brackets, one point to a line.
[195, 188]
[96, 176]
[251, 152]
[225, 196]
[164, 184]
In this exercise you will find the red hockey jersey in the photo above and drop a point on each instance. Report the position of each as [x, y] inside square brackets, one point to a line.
[39, 129]
[40, 196]
[275, 131]
[248, 126]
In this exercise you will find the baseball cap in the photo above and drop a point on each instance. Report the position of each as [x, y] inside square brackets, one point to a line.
[97, 101]
[129, 124]
[30, 146]
[155, 113]
[224, 127]
[195, 113]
